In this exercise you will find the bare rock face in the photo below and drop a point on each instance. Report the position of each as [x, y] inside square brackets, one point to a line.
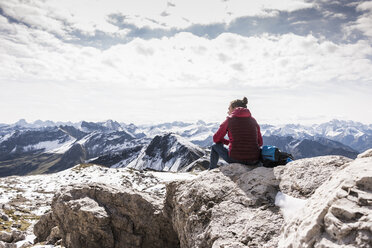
[230, 207]
[43, 227]
[302, 177]
[7, 245]
[104, 216]
[338, 214]
[6, 237]
[11, 237]
[54, 236]
[91, 221]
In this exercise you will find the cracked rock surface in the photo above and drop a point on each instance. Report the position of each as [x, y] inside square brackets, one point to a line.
[338, 214]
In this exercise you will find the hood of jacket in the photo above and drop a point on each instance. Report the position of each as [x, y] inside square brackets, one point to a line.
[240, 112]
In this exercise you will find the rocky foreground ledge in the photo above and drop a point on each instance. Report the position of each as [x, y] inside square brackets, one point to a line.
[233, 206]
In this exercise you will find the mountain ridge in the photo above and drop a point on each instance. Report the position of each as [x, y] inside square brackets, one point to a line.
[111, 143]
[338, 130]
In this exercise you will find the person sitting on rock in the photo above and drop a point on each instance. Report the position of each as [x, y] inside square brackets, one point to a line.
[244, 134]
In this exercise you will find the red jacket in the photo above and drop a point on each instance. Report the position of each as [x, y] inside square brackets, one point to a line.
[244, 128]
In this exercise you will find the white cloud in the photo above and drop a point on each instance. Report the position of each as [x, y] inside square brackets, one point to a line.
[333, 15]
[364, 21]
[86, 16]
[240, 8]
[35, 14]
[183, 77]
[185, 60]
[365, 6]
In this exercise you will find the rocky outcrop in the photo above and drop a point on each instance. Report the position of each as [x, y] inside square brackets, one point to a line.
[105, 216]
[43, 228]
[338, 214]
[11, 237]
[301, 178]
[7, 245]
[232, 206]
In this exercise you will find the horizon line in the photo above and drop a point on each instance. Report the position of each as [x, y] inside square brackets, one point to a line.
[175, 121]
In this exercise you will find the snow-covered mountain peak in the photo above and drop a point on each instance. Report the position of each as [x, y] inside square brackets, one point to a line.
[201, 122]
[174, 141]
[295, 131]
[168, 152]
[21, 122]
[107, 126]
[112, 125]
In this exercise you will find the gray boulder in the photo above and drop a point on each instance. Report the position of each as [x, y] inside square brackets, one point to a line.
[104, 216]
[302, 177]
[338, 214]
[4, 217]
[6, 237]
[43, 227]
[54, 236]
[12, 237]
[227, 207]
[7, 245]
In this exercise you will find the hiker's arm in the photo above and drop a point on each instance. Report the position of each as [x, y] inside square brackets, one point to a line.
[259, 136]
[219, 136]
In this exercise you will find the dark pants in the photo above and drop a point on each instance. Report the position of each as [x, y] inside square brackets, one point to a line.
[218, 150]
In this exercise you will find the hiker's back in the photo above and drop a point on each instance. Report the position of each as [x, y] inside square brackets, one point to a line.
[243, 132]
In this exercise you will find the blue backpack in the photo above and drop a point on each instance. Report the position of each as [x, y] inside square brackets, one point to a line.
[271, 156]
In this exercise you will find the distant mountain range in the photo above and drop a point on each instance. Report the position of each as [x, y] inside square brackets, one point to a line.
[46, 146]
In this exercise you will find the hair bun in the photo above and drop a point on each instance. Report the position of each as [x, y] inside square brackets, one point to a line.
[245, 100]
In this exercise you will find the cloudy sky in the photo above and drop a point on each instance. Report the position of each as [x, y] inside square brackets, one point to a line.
[154, 61]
